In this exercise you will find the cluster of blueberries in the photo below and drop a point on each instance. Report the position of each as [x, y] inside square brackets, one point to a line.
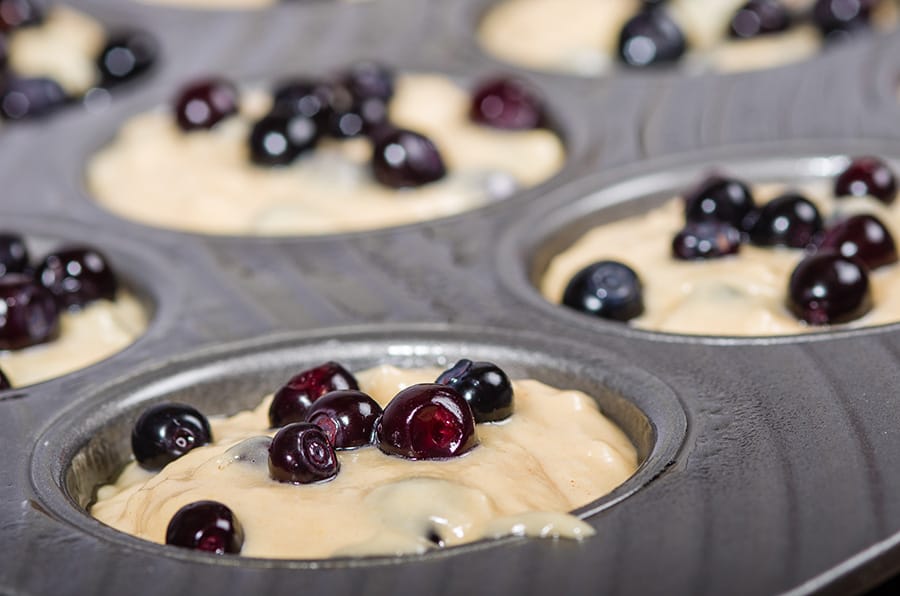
[318, 411]
[652, 37]
[34, 295]
[126, 55]
[830, 285]
[352, 103]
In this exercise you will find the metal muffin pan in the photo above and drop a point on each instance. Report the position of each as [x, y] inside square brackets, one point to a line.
[786, 474]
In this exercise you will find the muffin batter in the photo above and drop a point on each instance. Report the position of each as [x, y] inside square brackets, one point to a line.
[555, 453]
[204, 181]
[742, 294]
[581, 36]
[86, 336]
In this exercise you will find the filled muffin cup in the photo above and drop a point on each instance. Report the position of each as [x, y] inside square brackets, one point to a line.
[744, 288]
[88, 445]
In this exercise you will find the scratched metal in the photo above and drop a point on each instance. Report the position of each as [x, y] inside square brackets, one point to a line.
[784, 477]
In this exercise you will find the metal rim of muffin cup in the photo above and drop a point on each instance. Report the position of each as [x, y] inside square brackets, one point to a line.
[529, 244]
[143, 273]
[562, 120]
[94, 431]
[470, 13]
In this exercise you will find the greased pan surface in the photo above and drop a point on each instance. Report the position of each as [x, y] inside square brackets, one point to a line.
[781, 468]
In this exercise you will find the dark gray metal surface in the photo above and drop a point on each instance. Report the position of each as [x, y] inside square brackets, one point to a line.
[789, 473]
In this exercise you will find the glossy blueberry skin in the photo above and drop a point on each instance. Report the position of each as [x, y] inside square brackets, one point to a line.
[77, 276]
[293, 399]
[838, 18]
[4, 381]
[427, 421]
[827, 288]
[207, 526]
[29, 314]
[165, 432]
[507, 104]
[126, 56]
[706, 240]
[202, 104]
[759, 17]
[304, 97]
[788, 220]
[278, 139]
[608, 290]
[864, 237]
[13, 254]
[867, 176]
[346, 417]
[300, 453]
[719, 198]
[19, 13]
[405, 159]
[651, 38]
[484, 386]
[25, 98]
[351, 116]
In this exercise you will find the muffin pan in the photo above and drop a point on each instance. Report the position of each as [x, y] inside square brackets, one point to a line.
[771, 465]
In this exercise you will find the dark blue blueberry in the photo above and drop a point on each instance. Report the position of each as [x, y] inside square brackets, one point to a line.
[278, 139]
[19, 13]
[789, 220]
[839, 18]
[28, 312]
[507, 104]
[347, 417]
[608, 289]
[649, 38]
[207, 526]
[202, 104]
[828, 288]
[304, 97]
[300, 453]
[165, 432]
[867, 176]
[23, 98]
[369, 80]
[126, 56]
[403, 158]
[77, 276]
[706, 240]
[759, 17]
[292, 401]
[863, 237]
[720, 199]
[13, 254]
[484, 386]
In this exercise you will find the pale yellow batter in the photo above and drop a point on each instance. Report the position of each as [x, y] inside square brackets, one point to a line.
[86, 336]
[743, 294]
[556, 453]
[204, 181]
[581, 36]
[64, 47]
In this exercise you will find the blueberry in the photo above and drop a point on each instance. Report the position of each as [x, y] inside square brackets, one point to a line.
[369, 80]
[202, 104]
[23, 98]
[507, 103]
[484, 386]
[19, 13]
[4, 381]
[649, 38]
[867, 176]
[828, 288]
[13, 254]
[718, 198]
[346, 417]
[351, 116]
[207, 526]
[402, 158]
[300, 453]
[293, 400]
[863, 237]
[427, 421]
[304, 97]
[77, 276]
[607, 289]
[706, 240]
[759, 17]
[278, 139]
[839, 18]
[788, 220]
[165, 432]
[29, 312]
[126, 56]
